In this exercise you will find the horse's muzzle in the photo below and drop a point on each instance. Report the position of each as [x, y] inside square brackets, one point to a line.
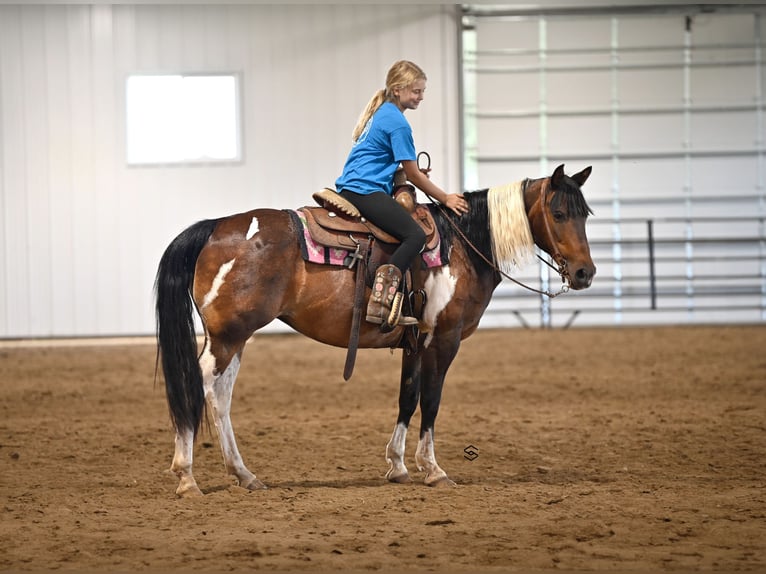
[582, 278]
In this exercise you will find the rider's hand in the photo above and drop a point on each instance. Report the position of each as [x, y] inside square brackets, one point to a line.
[457, 203]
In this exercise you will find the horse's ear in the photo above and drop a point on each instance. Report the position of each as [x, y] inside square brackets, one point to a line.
[582, 177]
[558, 176]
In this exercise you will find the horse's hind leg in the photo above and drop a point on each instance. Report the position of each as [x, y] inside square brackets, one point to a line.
[218, 392]
[409, 391]
[182, 464]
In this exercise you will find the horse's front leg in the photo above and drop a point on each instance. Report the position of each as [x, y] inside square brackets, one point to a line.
[436, 360]
[409, 391]
[218, 393]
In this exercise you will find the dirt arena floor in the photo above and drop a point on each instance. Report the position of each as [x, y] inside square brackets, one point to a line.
[598, 449]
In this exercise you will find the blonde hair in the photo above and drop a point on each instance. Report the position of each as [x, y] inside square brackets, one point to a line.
[400, 75]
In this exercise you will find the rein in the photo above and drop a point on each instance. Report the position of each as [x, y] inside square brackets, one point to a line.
[560, 261]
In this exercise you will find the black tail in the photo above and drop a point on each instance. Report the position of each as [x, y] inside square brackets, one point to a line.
[176, 337]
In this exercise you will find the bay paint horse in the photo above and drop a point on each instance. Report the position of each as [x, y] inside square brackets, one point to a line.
[242, 271]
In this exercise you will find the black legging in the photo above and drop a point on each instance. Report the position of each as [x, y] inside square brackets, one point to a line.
[383, 210]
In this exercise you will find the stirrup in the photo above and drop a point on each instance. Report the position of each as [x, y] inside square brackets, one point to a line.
[395, 317]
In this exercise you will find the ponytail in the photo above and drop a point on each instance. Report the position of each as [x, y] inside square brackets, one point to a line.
[377, 100]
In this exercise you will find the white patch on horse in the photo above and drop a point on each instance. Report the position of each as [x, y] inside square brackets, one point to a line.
[217, 282]
[395, 453]
[218, 389]
[253, 229]
[425, 458]
[182, 463]
[207, 362]
[439, 288]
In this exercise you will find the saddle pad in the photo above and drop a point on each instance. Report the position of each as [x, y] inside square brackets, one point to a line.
[314, 252]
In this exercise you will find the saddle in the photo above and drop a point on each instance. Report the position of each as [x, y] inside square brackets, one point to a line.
[338, 224]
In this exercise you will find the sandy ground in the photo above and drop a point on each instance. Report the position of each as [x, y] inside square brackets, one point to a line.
[598, 449]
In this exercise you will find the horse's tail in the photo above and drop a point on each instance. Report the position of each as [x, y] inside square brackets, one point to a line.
[176, 336]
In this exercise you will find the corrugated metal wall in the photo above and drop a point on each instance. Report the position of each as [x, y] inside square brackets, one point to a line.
[81, 233]
[669, 107]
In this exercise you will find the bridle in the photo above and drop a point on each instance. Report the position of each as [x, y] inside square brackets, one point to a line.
[562, 268]
[560, 261]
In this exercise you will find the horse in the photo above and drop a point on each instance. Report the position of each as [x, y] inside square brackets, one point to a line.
[242, 271]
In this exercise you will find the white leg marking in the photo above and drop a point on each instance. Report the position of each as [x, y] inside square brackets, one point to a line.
[182, 464]
[218, 391]
[253, 229]
[439, 288]
[426, 460]
[397, 471]
[217, 282]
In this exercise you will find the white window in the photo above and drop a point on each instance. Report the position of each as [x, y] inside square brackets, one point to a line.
[183, 119]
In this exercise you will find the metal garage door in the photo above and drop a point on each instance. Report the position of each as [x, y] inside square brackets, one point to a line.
[668, 107]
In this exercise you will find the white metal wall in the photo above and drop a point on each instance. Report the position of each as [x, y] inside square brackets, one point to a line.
[670, 109]
[81, 233]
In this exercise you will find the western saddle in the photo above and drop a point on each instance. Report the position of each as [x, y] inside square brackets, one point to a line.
[336, 223]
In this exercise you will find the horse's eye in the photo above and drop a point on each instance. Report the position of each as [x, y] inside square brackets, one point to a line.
[559, 216]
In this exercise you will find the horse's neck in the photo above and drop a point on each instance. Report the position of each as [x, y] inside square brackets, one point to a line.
[531, 194]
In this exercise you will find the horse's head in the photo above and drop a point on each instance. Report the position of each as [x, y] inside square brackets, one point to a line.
[557, 212]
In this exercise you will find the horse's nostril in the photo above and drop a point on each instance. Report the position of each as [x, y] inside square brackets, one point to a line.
[584, 276]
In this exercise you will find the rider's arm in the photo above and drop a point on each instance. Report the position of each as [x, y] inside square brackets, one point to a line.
[455, 201]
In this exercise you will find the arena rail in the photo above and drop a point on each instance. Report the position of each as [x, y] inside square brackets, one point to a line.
[654, 271]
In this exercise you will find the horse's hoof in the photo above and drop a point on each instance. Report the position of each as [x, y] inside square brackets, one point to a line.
[441, 482]
[403, 478]
[187, 486]
[192, 491]
[255, 484]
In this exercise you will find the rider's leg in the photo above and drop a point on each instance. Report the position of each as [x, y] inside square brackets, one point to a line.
[381, 209]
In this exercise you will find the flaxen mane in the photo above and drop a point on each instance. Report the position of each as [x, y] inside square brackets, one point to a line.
[501, 209]
[512, 243]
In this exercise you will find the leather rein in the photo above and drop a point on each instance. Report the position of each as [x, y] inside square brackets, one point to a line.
[560, 261]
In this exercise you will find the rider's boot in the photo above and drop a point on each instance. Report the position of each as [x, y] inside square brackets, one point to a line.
[385, 305]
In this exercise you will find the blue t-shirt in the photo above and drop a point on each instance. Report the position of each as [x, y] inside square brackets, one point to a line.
[385, 142]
